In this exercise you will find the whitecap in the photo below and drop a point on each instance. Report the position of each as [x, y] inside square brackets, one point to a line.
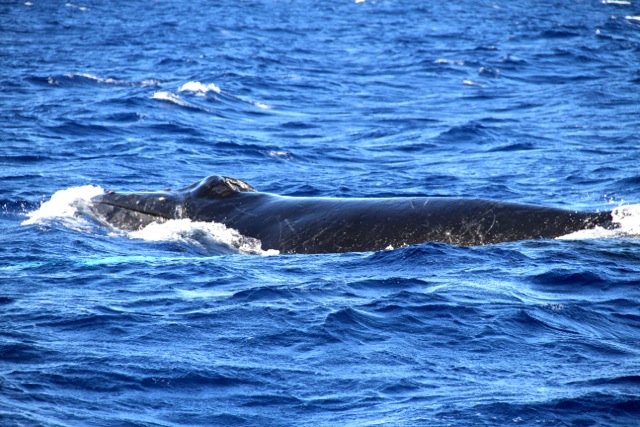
[97, 79]
[176, 99]
[112, 81]
[202, 89]
[281, 154]
[471, 83]
[449, 62]
[82, 8]
[167, 96]
[198, 88]
[261, 105]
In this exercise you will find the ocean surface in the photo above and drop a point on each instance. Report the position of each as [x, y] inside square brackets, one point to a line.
[180, 325]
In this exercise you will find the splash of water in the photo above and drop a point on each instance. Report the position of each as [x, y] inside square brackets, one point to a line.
[626, 219]
[71, 208]
[63, 205]
[211, 235]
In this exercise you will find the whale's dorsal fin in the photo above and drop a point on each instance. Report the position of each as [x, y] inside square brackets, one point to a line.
[220, 186]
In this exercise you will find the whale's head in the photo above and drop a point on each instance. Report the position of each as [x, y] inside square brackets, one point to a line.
[135, 210]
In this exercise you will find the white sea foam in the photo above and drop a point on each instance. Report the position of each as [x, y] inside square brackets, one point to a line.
[207, 234]
[167, 96]
[202, 89]
[64, 206]
[70, 208]
[82, 8]
[626, 218]
[471, 83]
[198, 88]
[112, 81]
[449, 62]
[281, 154]
[176, 99]
[97, 79]
[261, 105]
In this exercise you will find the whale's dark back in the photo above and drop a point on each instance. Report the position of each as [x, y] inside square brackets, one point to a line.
[322, 225]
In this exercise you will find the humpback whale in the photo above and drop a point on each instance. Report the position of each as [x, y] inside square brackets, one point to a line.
[328, 225]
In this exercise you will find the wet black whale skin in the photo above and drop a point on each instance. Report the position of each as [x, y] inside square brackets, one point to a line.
[326, 225]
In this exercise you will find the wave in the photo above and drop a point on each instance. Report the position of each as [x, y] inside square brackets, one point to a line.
[84, 78]
[71, 208]
[608, 408]
[20, 207]
[177, 100]
[472, 132]
[210, 89]
[211, 101]
[199, 88]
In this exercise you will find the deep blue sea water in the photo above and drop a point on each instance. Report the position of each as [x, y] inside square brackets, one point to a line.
[528, 101]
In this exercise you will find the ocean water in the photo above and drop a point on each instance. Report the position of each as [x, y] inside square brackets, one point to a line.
[188, 324]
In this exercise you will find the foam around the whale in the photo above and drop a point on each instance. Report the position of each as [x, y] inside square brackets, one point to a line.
[64, 205]
[626, 218]
[69, 208]
[210, 235]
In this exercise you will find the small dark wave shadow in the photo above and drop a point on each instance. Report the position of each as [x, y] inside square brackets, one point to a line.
[566, 279]
[518, 146]
[590, 409]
